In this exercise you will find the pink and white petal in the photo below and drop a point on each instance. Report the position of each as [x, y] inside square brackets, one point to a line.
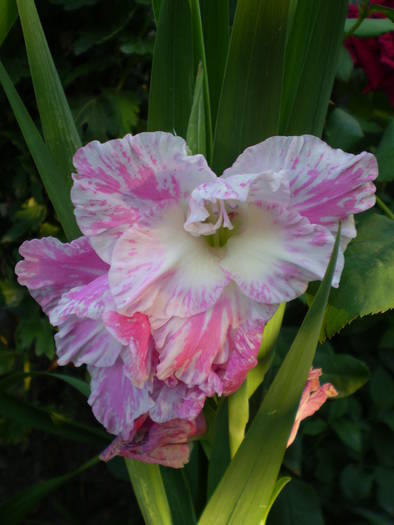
[129, 181]
[86, 301]
[166, 444]
[313, 398]
[207, 200]
[164, 271]
[177, 401]
[51, 268]
[326, 184]
[115, 401]
[276, 253]
[135, 333]
[244, 342]
[86, 341]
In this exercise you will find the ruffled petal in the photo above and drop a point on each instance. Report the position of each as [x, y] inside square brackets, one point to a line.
[326, 184]
[164, 271]
[86, 341]
[51, 268]
[135, 333]
[192, 348]
[129, 181]
[177, 401]
[276, 253]
[115, 401]
[166, 444]
[313, 397]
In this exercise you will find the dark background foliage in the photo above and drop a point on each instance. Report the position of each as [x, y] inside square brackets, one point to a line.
[341, 463]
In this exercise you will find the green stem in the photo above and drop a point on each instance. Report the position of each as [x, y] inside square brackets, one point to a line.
[385, 209]
[196, 14]
[364, 13]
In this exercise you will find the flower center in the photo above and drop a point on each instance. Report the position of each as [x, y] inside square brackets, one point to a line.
[227, 221]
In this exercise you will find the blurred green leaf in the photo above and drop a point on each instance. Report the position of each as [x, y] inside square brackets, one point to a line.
[367, 282]
[11, 294]
[312, 53]
[173, 75]
[78, 384]
[355, 482]
[344, 371]
[15, 510]
[244, 492]
[345, 65]
[8, 16]
[249, 105]
[57, 122]
[7, 360]
[28, 218]
[385, 154]
[384, 10]
[298, 504]
[349, 432]
[381, 384]
[370, 27]
[51, 422]
[385, 482]
[35, 330]
[56, 184]
[149, 490]
[220, 455]
[238, 416]
[343, 130]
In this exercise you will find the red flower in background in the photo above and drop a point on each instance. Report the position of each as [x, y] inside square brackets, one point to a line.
[374, 55]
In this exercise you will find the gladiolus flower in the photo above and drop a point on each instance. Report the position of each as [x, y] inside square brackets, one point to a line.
[166, 296]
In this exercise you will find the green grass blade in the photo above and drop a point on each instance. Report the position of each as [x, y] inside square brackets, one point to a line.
[238, 416]
[311, 61]
[216, 26]
[244, 493]
[156, 5]
[15, 510]
[173, 75]
[149, 490]
[75, 382]
[220, 455]
[249, 106]
[57, 123]
[8, 15]
[53, 423]
[56, 183]
[196, 129]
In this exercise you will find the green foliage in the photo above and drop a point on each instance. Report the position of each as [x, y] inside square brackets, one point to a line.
[370, 27]
[385, 154]
[343, 130]
[367, 283]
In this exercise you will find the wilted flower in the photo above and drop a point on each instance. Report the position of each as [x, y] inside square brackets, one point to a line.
[313, 397]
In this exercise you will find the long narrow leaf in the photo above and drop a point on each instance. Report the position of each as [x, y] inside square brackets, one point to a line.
[56, 185]
[179, 496]
[244, 493]
[196, 130]
[78, 384]
[58, 126]
[15, 510]
[220, 453]
[8, 15]
[150, 492]
[54, 423]
[249, 106]
[216, 25]
[173, 75]
[311, 63]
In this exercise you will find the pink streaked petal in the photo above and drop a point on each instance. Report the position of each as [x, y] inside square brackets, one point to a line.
[207, 200]
[191, 348]
[131, 180]
[135, 333]
[86, 341]
[89, 300]
[165, 444]
[177, 401]
[115, 401]
[326, 184]
[276, 253]
[164, 271]
[313, 398]
[245, 342]
[51, 268]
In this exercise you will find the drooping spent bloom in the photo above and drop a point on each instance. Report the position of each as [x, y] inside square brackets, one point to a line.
[313, 397]
[209, 259]
[70, 282]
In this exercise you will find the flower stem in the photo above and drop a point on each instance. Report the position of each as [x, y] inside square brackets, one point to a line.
[385, 209]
